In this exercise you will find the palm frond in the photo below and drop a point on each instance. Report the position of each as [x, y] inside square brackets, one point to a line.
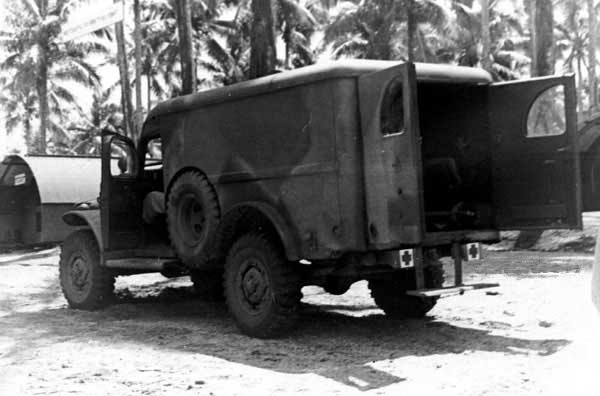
[33, 9]
[346, 22]
[355, 46]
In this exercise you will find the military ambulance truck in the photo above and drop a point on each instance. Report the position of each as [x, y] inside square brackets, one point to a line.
[327, 175]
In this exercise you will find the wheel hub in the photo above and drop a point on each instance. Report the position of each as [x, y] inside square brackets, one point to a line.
[191, 219]
[254, 284]
[79, 273]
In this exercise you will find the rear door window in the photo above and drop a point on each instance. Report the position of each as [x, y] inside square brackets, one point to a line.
[547, 116]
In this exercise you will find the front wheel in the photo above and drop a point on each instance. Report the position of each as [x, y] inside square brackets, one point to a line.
[84, 282]
[262, 288]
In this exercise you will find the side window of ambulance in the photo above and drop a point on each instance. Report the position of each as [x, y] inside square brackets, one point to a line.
[547, 115]
[392, 109]
[153, 159]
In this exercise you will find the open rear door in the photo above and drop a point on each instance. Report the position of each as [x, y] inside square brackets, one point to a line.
[390, 128]
[534, 154]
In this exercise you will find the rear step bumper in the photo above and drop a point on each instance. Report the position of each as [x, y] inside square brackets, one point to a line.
[450, 291]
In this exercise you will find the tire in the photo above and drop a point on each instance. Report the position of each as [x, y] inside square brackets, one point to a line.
[193, 215]
[389, 293]
[84, 282]
[262, 288]
[208, 284]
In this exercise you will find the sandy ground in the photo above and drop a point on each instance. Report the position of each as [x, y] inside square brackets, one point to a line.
[583, 240]
[539, 334]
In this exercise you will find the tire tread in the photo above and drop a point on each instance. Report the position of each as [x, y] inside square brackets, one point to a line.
[286, 287]
[103, 280]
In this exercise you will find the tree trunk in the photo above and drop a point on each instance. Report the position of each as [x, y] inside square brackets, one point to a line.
[287, 38]
[41, 82]
[42, 92]
[411, 27]
[126, 105]
[486, 61]
[29, 144]
[262, 39]
[212, 7]
[530, 10]
[543, 38]
[149, 89]
[138, 70]
[186, 49]
[579, 84]
[593, 82]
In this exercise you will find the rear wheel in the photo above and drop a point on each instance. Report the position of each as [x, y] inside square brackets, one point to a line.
[84, 282]
[262, 288]
[193, 216]
[390, 293]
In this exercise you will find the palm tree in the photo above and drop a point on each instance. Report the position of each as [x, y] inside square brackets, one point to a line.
[485, 35]
[186, 45]
[592, 42]
[543, 39]
[506, 35]
[376, 29]
[159, 50]
[85, 134]
[297, 22]
[263, 54]
[571, 40]
[18, 102]
[40, 71]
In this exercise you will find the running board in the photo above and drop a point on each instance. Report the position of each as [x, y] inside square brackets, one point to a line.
[450, 291]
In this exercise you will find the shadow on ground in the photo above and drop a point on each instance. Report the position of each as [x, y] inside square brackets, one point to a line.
[326, 343]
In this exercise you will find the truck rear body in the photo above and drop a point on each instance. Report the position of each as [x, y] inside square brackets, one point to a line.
[369, 155]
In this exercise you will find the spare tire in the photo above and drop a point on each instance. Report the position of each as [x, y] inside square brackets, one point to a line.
[193, 215]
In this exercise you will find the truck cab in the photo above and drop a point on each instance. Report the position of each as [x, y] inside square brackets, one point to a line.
[327, 175]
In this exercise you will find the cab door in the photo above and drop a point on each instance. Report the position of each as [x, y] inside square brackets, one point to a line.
[120, 210]
[391, 152]
[535, 163]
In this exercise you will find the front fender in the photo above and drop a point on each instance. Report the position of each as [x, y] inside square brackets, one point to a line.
[86, 218]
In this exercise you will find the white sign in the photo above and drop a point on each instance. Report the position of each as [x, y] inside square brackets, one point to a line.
[473, 251]
[91, 18]
[20, 179]
[407, 258]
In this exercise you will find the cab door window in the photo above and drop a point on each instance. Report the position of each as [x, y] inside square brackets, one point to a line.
[122, 162]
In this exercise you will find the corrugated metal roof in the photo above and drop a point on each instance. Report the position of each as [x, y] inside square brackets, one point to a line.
[63, 179]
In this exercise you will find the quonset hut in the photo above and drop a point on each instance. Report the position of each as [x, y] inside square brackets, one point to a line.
[35, 191]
